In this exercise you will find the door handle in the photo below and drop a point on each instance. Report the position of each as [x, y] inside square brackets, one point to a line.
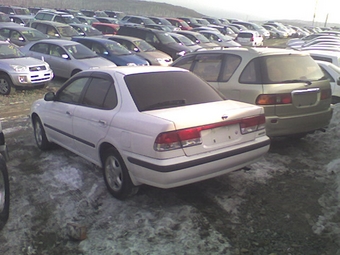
[102, 122]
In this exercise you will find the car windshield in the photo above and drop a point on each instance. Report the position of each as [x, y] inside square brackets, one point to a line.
[117, 48]
[101, 14]
[144, 46]
[10, 51]
[152, 91]
[91, 31]
[165, 38]
[67, 31]
[33, 35]
[22, 11]
[69, 19]
[186, 41]
[80, 51]
[202, 38]
[290, 69]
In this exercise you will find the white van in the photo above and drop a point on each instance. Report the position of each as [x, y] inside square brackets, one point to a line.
[326, 55]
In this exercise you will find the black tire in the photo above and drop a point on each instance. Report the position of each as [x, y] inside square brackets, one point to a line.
[116, 175]
[40, 135]
[6, 85]
[4, 193]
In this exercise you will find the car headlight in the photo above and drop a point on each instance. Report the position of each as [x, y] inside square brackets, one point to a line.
[181, 53]
[19, 68]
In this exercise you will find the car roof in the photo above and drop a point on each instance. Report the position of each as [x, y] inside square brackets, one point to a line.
[96, 39]
[61, 42]
[125, 37]
[259, 51]
[127, 70]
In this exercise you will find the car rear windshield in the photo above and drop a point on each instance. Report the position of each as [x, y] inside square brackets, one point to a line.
[288, 68]
[159, 90]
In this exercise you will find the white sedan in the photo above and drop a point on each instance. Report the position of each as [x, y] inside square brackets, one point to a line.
[160, 126]
[332, 72]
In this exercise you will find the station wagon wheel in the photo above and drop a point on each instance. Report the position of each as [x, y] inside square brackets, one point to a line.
[6, 84]
[40, 135]
[116, 176]
[4, 194]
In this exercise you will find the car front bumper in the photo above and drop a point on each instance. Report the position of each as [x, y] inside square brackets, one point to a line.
[31, 79]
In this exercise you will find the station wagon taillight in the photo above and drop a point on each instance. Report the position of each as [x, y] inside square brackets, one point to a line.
[326, 94]
[192, 136]
[272, 99]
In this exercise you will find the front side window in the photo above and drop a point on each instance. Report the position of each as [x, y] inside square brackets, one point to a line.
[71, 94]
[56, 51]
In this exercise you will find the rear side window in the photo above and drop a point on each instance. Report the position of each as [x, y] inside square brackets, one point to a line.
[322, 58]
[208, 66]
[251, 73]
[100, 94]
[152, 91]
[185, 62]
[231, 64]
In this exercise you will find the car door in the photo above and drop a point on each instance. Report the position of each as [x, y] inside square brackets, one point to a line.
[92, 117]
[59, 115]
[58, 60]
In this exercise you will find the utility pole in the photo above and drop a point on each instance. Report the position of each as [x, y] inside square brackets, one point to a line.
[316, 4]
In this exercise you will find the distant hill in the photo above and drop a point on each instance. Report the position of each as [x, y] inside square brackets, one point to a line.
[133, 7]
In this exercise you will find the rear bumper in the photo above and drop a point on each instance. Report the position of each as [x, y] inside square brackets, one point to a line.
[185, 170]
[284, 126]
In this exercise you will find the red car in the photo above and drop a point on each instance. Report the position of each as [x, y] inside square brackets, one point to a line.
[106, 28]
[179, 23]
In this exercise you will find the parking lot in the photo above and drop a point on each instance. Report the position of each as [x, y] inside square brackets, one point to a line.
[286, 203]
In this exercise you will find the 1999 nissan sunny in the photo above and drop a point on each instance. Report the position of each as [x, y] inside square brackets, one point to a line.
[160, 126]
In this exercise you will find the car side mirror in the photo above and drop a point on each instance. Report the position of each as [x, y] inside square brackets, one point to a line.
[49, 96]
[65, 56]
[135, 49]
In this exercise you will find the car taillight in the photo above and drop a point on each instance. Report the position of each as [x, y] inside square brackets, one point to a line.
[252, 39]
[252, 124]
[272, 99]
[192, 136]
[326, 94]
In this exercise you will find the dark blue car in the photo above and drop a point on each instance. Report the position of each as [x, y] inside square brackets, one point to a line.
[112, 51]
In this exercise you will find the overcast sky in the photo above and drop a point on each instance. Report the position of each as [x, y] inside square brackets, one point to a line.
[324, 10]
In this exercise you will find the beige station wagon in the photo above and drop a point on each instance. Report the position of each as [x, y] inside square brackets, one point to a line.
[288, 84]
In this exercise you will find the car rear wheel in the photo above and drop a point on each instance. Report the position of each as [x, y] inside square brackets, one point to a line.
[116, 176]
[40, 135]
[4, 193]
[6, 84]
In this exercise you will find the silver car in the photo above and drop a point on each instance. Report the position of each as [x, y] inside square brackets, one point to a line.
[65, 57]
[18, 71]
